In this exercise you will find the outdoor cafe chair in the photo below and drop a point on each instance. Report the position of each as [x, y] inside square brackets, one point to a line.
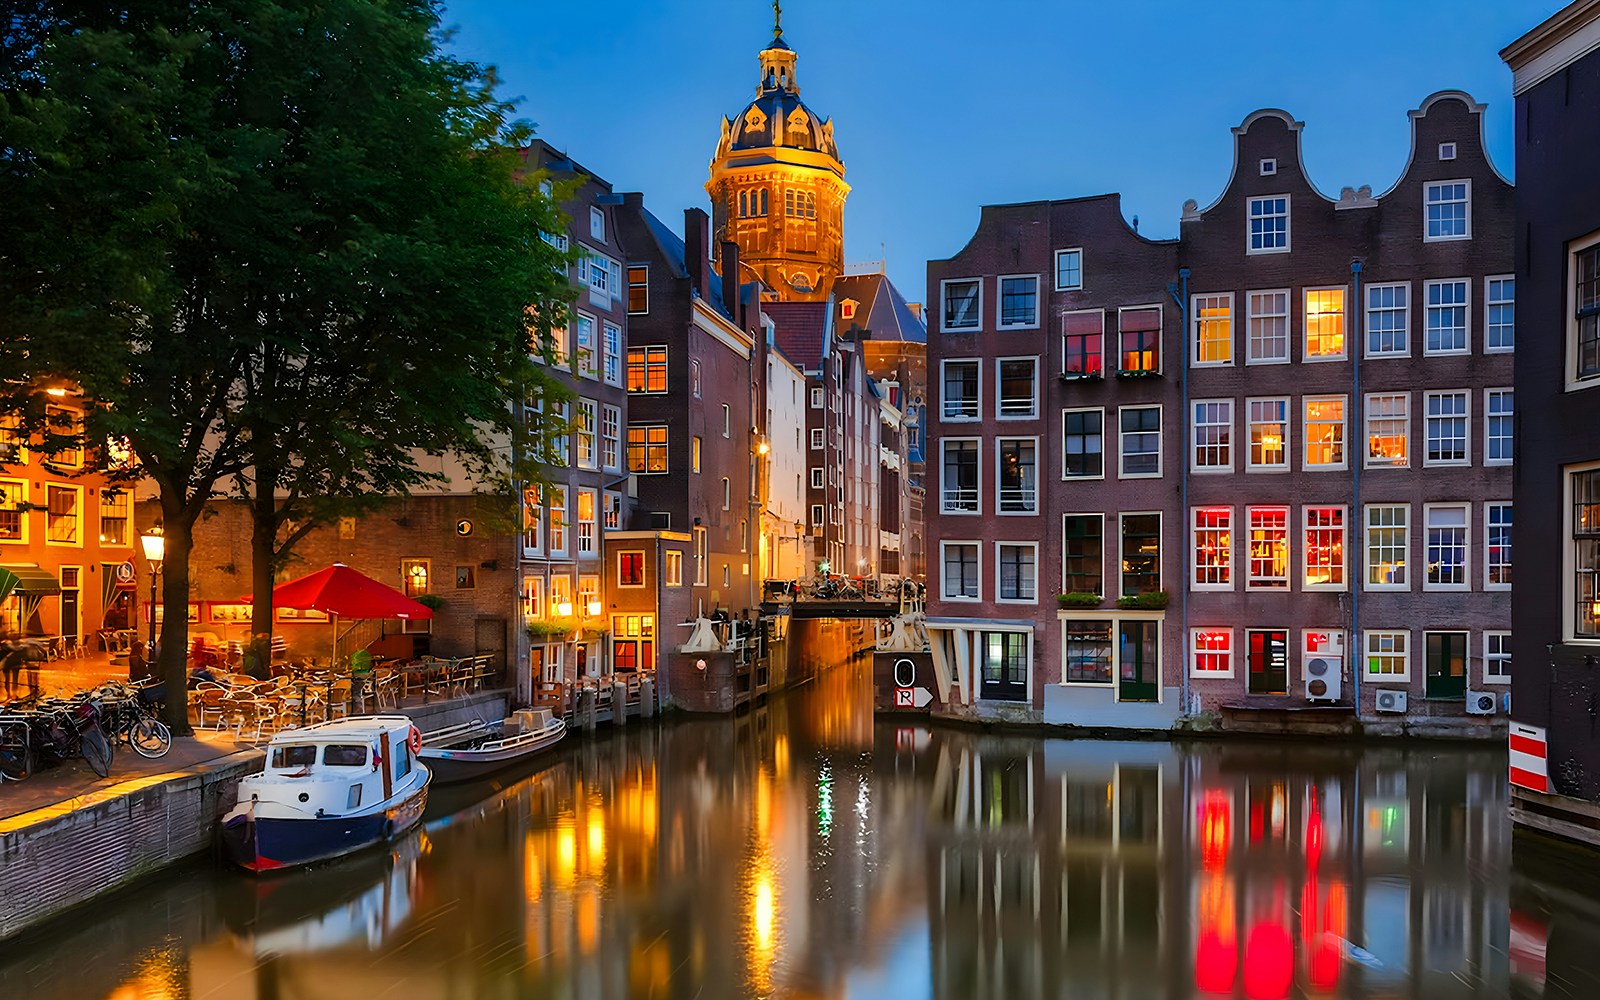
[208, 706]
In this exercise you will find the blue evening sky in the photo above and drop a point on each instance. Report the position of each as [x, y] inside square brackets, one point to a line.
[940, 107]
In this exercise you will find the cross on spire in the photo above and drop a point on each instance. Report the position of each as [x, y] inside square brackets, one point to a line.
[777, 19]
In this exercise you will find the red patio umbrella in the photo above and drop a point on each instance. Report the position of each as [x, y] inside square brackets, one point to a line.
[342, 592]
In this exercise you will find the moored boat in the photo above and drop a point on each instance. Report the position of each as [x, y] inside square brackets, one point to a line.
[326, 791]
[477, 749]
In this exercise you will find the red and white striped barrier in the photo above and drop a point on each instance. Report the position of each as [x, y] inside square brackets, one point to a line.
[1530, 765]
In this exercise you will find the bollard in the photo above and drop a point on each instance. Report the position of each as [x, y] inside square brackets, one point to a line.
[647, 698]
[586, 709]
[619, 703]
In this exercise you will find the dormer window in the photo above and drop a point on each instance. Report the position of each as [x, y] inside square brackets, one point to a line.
[1269, 167]
[754, 120]
[847, 309]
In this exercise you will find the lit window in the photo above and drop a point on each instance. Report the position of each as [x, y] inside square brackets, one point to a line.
[694, 453]
[1019, 302]
[1324, 323]
[1269, 548]
[1019, 380]
[113, 517]
[1498, 416]
[1018, 475]
[960, 401]
[647, 370]
[1140, 341]
[673, 567]
[1140, 439]
[638, 289]
[1446, 527]
[588, 458]
[647, 448]
[1500, 319]
[1447, 420]
[613, 510]
[1388, 321]
[1269, 224]
[1213, 329]
[1213, 548]
[13, 515]
[1082, 447]
[532, 521]
[1388, 546]
[1497, 545]
[1269, 328]
[1388, 655]
[1082, 554]
[1083, 344]
[1213, 435]
[62, 514]
[1141, 553]
[1069, 270]
[1388, 430]
[960, 477]
[586, 521]
[1086, 652]
[1497, 657]
[630, 569]
[962, 304]
[557, 506]
[1324, 432]
[1212, 651]
[1269, 435]
[1447, 316]
[1018, 571]
[960, 577]
[633, 645]
[1324, 548]
[1448, 208]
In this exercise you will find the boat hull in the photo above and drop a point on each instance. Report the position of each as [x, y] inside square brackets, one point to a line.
[458, 766]
[268, 844]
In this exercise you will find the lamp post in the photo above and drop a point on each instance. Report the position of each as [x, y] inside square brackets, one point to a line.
[155, 547]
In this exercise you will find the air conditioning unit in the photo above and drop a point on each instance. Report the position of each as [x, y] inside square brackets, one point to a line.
[1482, 702]
[1322, 660]
[1391, 701]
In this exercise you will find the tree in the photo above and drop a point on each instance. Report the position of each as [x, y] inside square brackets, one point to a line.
[265, 232]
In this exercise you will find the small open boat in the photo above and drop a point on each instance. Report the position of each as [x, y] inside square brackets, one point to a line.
[326, 791]
[477, 749]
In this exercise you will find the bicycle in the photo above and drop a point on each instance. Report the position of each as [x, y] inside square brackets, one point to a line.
[16, 747]
[131, 719]
[68, 729]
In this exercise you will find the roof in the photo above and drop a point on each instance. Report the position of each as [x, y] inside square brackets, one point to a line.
[800, 328]
[782, 115]
[882, 309]
[676, 255]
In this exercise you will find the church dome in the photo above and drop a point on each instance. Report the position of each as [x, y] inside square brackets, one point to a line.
[777, 117]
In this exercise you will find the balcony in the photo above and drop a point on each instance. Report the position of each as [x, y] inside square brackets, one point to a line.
[1019, 500]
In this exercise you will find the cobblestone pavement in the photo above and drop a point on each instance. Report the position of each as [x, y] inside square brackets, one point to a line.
[72, 779]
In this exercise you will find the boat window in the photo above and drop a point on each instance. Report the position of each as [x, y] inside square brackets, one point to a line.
[402, 760]
[294, 756]
[354, 799]
[344, 755]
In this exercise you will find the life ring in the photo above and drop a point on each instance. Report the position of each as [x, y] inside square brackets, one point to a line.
[416, 740]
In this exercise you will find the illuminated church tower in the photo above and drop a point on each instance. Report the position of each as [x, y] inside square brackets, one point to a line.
[777, 187]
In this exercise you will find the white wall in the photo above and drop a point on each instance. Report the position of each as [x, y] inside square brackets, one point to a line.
[786, 493]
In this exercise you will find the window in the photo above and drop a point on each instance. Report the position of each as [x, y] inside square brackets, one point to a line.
[638, 289]
[1140, 442]
[1447, 428]
[532, 521]
[1497, 545]
[1269, 328]
[63, 505]
[1448, 210]
[12, 450]
[1019, 302]
[1213, 435]
[963, 304]
[13, 518]
[1069, 270]
[1213, 548]
[1019, 388]
[612, 364]
[612, 514]
[673, 567]
[1388, 655]
[630, 569]
[727, 493]
[1585, 336]
[611, 436]
[1269, 435]
[1018, 567]
[1018, 475]
[960, 390]
[816, 478]
[1499, 316]
[1141, 341]
[1388, 321]
[1445, 656]
[816, 438]
[1324, 432]
[1269, 548]
[700, 564]
[113, 517]
[584, 339]
[633, 641]
[1082, 444]
[1324, 548]
[960, 494]
[694, 377]
[1584, 555]
[560, 443]
[1141, 553]
[960, 577]
[1498, 414]
[694, 453]
[1269, 166]
[65, 421]
[603, 276]
[816, 398]
[1446, 316]
[1211, 652]
[1269, 224]
[1213, 329]
[1324, 324]
[647, 370]
[1497, 657]
[1446, 526]
[1447, 150]
[1388, 430]
[587, 457]
[647, 448]
[1082, 554]
[727, 420]
[557, 506]
[1083, 344]
[1086, 652]
[816, 515]
[1388, 545]
[597, 224]
[586, 522]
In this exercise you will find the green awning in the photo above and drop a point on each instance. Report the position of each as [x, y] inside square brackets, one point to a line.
[30, 580]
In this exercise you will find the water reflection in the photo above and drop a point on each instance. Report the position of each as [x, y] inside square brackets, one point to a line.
[797, 851]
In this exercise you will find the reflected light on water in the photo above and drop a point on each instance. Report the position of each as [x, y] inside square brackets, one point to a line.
[532, 882]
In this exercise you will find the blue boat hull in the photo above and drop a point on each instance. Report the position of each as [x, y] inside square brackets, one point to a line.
[263, 845]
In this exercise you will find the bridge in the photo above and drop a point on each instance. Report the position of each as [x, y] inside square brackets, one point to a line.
[808, 607]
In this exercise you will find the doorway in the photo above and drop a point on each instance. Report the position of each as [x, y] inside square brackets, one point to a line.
[1269, 661]
[1139, 674]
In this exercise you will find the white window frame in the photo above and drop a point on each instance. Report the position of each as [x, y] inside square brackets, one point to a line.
[817, 481]
[816, 438]
[587, 442]
[1064, 253]
[1368, 563]
[944, 507]
[999, 388]
[1305, 324]
[1268, 166]
[1287, 425]
[997, 588]
[1095, 514]
[816, 397]
[1195, 564]
[727, 420]
[696, 444]
[615, 356]
[1488, 507]
[1492, 638]
[1252, 300]
[702, 557]
[1038, 467]
[1195, 652]
[78, 520]
[597, 224]
[1489, 414]
[1447, 150]
[1306, 464]
[1428, 188]
[1306, 529]
[727, 493]
[1194, 436]
[1489, 302]
[672, 567]
[611, 436]
[588, 527]
[1466, 545]
[1428, 424]
[944, 579]
[970, 413]
[1370, 638]
[1274, 584]
[1575, 380]
[1466, 316]
[1122, 555]
[1368, 461]
[1083, 409]
[1368, 309]
[1251, 215]
[817, 519]
[976, 326]
[1122, 453]
[1000, 299]
[559, 528]
[1198, 325]
[532, 522]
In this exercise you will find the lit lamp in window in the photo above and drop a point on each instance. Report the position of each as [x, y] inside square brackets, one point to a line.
[155, 550]
[594, 609]
[564, 609]
[417, 577]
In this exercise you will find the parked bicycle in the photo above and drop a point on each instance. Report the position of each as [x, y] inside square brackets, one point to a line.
[16, 746]
[62, 729]
[131, 717]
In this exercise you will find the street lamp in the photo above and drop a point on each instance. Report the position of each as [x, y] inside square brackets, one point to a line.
[155, 549]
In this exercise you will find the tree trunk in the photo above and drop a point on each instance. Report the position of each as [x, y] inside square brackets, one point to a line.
[263, 551]
[174, 642]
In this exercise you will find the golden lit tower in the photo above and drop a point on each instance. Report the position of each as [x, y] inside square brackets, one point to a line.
[777, 187]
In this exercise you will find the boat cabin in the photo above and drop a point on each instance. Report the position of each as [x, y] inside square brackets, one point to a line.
[339, 768]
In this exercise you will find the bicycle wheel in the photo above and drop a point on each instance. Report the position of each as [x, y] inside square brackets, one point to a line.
[97, 751]
[16, 761]
[149, 738]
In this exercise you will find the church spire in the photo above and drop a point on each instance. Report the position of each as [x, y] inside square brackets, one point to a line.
[777, 22]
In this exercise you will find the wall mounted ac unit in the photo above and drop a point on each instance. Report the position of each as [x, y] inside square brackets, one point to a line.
[1391, 701]
[1482, 702]
[1322, 662]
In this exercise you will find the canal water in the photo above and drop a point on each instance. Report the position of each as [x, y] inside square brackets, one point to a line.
[803, 850]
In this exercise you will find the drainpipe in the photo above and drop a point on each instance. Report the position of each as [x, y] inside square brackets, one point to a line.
[1180, 293]
[1358, 516]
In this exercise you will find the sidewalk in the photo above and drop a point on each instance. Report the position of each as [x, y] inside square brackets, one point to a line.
[72, 780]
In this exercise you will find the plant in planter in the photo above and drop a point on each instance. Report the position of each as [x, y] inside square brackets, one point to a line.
[433, 602]
[1154, 601]
[1079, 599]
[548, 627]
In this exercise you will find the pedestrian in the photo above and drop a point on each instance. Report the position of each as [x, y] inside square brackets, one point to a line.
[11, 656]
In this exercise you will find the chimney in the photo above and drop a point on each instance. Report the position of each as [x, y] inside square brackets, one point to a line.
[696, 241]
[730, 283]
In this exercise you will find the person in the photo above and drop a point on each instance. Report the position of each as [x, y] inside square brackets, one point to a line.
[12, 651]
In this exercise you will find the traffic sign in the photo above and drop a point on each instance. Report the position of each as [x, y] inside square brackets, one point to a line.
[912, 697]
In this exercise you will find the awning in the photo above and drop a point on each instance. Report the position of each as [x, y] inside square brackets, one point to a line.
[30, 580]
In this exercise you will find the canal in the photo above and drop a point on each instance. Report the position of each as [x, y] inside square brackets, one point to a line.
[802, 850]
